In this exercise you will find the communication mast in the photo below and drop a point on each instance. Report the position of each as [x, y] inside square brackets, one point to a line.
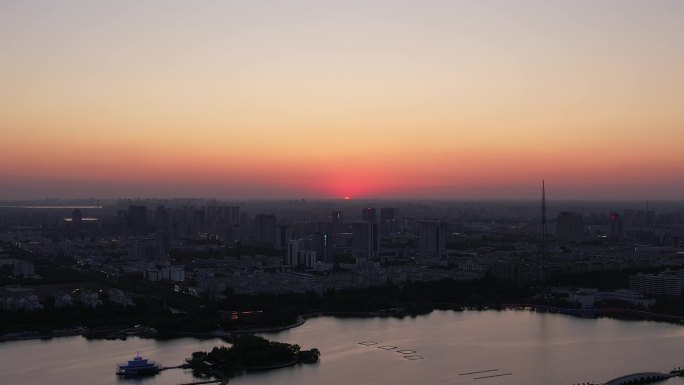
[543, 221]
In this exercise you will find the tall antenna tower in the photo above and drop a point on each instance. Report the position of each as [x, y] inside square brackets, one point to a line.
[543, 220]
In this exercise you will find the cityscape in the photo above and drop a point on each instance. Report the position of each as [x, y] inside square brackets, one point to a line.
[149, 268]
[373, 192]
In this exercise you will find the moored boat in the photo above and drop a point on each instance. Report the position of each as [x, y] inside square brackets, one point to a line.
[138, 366]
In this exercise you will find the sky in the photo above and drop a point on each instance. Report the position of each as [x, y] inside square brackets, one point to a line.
[325, 99]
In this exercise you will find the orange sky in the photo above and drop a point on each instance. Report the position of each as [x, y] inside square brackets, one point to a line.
[434, 99]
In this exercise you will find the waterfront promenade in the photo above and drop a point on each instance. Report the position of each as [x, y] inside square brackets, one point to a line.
[597, 312]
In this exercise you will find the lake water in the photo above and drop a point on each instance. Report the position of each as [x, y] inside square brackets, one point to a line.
[439, 348]
[52, 207]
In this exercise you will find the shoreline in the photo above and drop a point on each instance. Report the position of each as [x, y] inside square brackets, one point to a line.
[612, 313]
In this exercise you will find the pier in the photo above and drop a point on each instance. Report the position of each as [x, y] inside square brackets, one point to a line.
[639, 378]
[479, 372]
[492, 375]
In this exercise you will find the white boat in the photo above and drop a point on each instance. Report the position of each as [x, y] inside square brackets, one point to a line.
[138, 366]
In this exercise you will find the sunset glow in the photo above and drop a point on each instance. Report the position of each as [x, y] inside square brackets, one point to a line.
[271, 99]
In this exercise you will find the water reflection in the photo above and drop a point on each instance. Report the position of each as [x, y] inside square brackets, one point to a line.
[508, 347]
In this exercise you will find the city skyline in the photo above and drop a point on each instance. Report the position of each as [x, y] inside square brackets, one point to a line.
[397, 100]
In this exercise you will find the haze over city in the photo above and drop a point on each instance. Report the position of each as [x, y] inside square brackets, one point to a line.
[311, 99]
[279, 192]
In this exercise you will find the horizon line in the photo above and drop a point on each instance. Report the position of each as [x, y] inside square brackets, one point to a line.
[329, 199]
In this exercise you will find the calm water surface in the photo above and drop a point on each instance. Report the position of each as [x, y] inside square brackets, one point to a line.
[543, 349]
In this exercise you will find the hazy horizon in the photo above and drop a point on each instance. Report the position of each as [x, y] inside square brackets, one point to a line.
[38, 190]
[351, 202]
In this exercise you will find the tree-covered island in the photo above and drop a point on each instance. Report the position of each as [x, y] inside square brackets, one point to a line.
[249, 352]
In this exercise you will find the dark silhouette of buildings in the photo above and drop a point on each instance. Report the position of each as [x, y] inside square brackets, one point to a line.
[319, 244]
[432, 237]
[136, 219]
[569, 227]
[366, 240]
[616, 228]
[76, 222]
[388, 220]
[292, 253]
[265, 226]
[368, 214]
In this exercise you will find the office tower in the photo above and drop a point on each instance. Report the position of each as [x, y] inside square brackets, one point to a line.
[336, 224]
[212, 213]
[389, 217]
[180, 224]
[344, 242]
[432, 237]
[265, 226]
[284, 236]
[569, 227]
[292, 255]
[616, 228]
[365, 239]
[162, 220]
[199, 221]
[215, 218]
[319, 244]
[233, 214]
[368, 214]
[308, 258]
[389, 213]
[163, 246]
[137, 219]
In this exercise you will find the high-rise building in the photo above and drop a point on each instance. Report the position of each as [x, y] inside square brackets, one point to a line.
[319, 244]
[365, 240]
[308, 258]
[137, 219]
[389, 217]
[432, 237]
[163, 240]
[616, 228]
[292, 254]
[336, 224]
[284, 236]
[181, 225]
[389, 213]
[199, 221]
[368, 214]
[265, 226]
[162, 219]
[569, 227]
[344, 242]
[233, 214]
